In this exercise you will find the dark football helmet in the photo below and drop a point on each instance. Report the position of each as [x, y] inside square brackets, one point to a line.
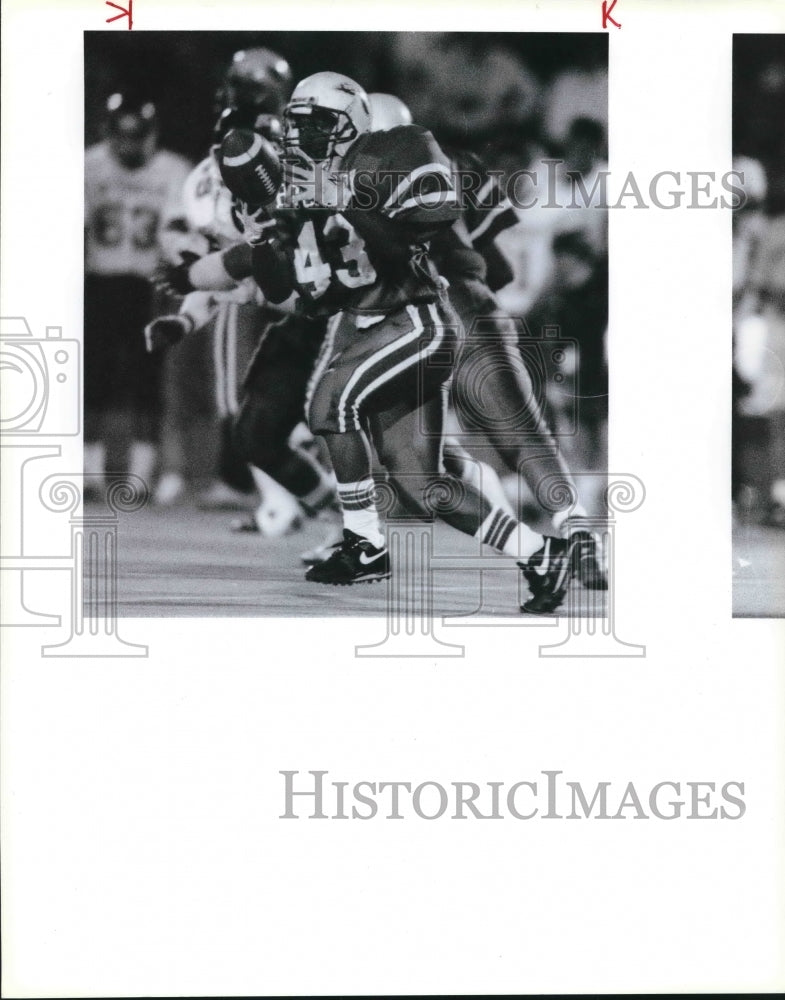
[253, 94]
[132, 128]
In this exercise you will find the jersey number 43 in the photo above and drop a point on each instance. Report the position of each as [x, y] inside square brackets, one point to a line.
[315, 273]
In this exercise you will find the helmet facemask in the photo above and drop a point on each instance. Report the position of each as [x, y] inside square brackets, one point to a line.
[317, 134]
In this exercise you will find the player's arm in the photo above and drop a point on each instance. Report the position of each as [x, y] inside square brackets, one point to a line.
[210, 273]
[489, 212]
[499, 273]
[272, 272]
[271, 267]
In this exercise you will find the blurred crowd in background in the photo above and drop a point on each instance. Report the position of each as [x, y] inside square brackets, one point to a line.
[516, 100]
[759, 280]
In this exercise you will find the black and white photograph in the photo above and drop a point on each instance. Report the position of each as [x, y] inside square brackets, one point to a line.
[377, 619]
[249, 348]
[759, 328]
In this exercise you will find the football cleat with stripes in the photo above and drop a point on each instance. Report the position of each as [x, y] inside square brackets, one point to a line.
[549, 571]
[589, 569]
[355, 560]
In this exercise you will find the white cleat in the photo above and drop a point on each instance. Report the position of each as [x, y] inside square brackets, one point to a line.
[170, 489]
[321, 552]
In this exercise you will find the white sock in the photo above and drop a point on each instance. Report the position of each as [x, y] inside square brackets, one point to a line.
[359, 511]
[523, 542]
[778, 492]
[142, 459]
[509, 536]
[94, 458]
[561, 516]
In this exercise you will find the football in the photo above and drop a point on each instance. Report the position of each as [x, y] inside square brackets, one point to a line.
[250, 167]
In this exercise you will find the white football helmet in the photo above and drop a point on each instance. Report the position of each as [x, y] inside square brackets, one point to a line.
[324, 116]
[388, 111]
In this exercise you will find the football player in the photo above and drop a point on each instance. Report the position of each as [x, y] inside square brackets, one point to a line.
[759, 355]
[289, 479]
[128, 183]
[364, 207]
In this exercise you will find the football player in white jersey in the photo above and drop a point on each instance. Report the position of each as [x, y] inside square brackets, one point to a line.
[236, 316]
[128, 182]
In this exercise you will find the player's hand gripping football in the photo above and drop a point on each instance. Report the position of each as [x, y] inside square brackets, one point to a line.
[257, 224]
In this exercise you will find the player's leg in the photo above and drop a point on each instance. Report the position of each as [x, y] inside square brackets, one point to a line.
[99, 361]
[481, 475]
[410, 446]
[271, 407]
[493, 391]
[775, 517]
[409, 443]
[774, 364]
[244, 325]
[129, 422]
[389, 376]
[396, 388]
[353, 367]
[191, 404]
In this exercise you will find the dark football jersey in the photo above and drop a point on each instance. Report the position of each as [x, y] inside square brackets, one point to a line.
[328, 259]
[467, 251]
[373, 257]
[487, 210]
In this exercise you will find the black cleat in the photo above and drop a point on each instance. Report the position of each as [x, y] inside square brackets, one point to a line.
[549, 571]
[355, 560]
[589, 568]
[244, 525]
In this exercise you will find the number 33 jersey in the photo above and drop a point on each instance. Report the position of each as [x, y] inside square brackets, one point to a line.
[123, 210]
[372, 257]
